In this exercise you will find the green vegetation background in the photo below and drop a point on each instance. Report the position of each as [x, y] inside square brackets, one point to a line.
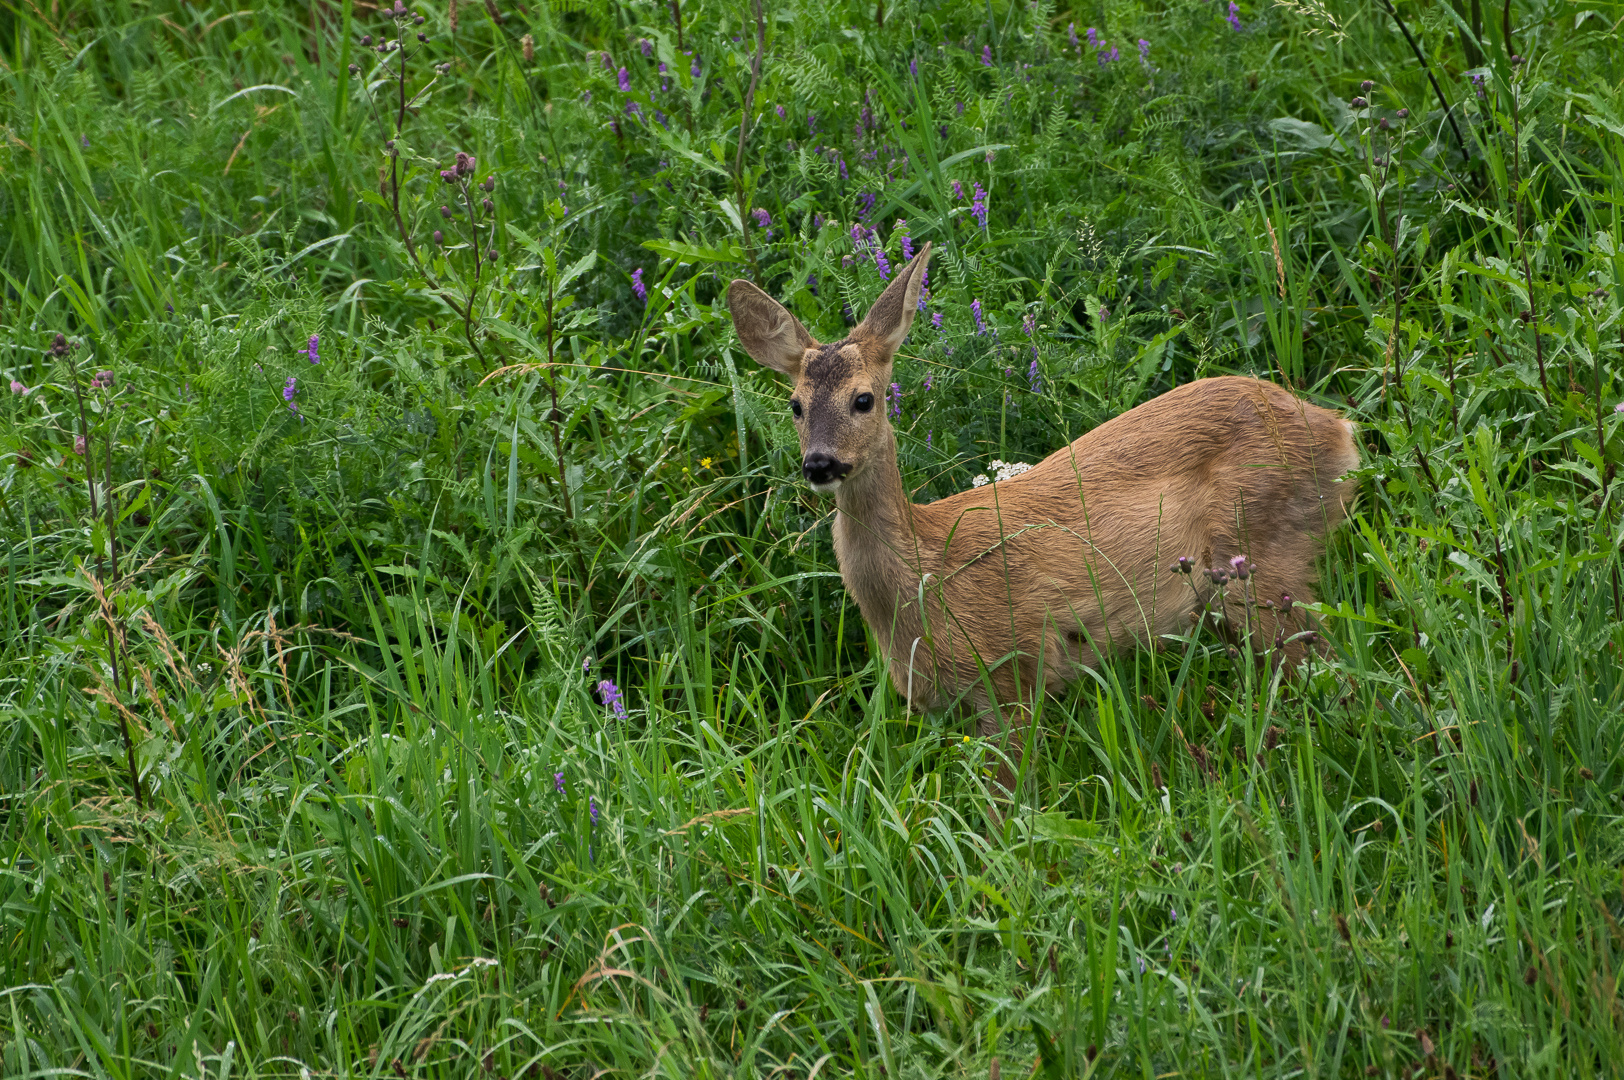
[420, 660]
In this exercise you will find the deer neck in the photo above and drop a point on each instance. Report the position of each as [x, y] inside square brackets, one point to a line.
[877, 546]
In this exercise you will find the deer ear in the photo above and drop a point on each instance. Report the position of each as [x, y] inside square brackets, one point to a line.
[888, 321]
[766, 329]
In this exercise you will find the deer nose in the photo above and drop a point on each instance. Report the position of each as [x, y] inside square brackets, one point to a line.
[821, 468]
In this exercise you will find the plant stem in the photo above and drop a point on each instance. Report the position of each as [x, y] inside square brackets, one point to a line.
[744, 122]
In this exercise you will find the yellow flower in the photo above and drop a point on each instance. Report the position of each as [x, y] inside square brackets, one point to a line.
[704, 463]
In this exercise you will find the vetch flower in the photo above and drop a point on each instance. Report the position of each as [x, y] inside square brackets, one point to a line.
[880, 263]
[986, 56]
[1144, 51]
[1234, 16]
[612, 698]
[637, 285]
[913, 67]
[895, 398]
[901, 230]
[1108, 55]
[975, 313]
[592, 808]
[1029, 324]
[763, 219]
[310, 351]
[695, 69]
[958, 191]
[936, 324]
[558, 782]
[290, 389]
[19, 388]
[978, 206]
[779, 110]
[1071, 33]
[1033, 378]
[646, 47]
[625, 80]
[1093, 37]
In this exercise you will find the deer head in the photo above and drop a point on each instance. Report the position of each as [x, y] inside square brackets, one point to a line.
[839, 389]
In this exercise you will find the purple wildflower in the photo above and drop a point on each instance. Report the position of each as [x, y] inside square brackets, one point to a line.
[1029, 325]
[310, 351]
[842, 164]
[289, 390]
[811, 123]
[959, 106]
[639, 288]
[901, 229]
[586, 661]
[936, 321]
[1144, 51]
[558, 782]
[924, 287]
[633, 109]
[975, 313]
[1108, 55]
[1071, 32]
[867, 199]
[84, 141]
[612, 698]
[1479, 81]
[646, 46]
[1034, 377]
[780, 111]
[608, 64]
[1093, 38]
[763, 218]
[978, 206]
[1234, 16]
[881, 264]
[19, 388]
[625, 80]
[913, 67]
[695, 69]
[986, 56]
[958, 191]
[895, 397]
[592, 808]
[79, 445]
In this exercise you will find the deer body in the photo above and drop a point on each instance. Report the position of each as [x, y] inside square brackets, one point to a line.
[1027, 579]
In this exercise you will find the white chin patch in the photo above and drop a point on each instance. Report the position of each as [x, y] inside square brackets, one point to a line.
[828, 487]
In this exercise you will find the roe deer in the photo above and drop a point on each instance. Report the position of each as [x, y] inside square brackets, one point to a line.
[1027, 578]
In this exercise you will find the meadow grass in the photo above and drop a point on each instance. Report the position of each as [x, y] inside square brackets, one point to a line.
[419, 659]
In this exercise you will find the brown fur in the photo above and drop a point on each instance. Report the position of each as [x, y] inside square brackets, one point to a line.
[1033, 577]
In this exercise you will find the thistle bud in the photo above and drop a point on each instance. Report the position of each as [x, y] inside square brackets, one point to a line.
[1367, 86]
[1404, 114]
[417, 20]
[389, 144]
[439, 238]
[366, 40]
[1358, 103]
[445, 211]
[490, 183]
[355, 69]
[1517, 61]
[488, 205]
[422, 36]
[491, 255]
[1385, 125]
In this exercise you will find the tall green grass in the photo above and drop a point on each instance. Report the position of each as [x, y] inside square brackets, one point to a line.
[306, 764]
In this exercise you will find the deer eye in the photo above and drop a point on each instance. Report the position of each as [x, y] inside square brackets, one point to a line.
[795, 408]
[864, 402]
